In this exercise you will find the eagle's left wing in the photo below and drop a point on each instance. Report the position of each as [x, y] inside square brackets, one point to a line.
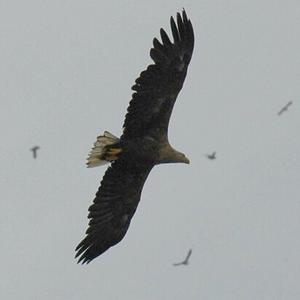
[157, 87]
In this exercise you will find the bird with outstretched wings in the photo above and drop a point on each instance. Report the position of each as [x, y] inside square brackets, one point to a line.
[34, 151]
[284, 108]
[185, 262]
[211, 156]
[143, 144]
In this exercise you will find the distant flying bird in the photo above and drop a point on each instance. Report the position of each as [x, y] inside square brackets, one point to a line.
[34, 151]
[143, 144]
[186, 260]
[285, 108]
[211, 156]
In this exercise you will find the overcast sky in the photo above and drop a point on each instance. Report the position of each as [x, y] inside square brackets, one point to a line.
[65, 77]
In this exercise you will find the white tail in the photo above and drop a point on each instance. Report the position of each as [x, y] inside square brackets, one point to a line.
[97, 155]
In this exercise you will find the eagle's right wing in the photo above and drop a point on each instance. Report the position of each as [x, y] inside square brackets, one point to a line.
[113, 207]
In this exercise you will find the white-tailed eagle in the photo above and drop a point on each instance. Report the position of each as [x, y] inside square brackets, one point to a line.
[143, 144]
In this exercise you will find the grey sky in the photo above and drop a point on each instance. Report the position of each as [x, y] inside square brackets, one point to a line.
[65, 77]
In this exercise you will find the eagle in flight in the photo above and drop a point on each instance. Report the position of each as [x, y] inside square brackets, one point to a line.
[143, 144]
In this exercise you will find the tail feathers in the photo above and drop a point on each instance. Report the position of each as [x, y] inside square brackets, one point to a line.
[103, 152]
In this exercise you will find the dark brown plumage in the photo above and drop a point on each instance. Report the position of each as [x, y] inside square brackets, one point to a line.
[144, 142]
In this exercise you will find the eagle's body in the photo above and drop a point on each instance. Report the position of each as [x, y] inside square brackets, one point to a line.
[143, 144]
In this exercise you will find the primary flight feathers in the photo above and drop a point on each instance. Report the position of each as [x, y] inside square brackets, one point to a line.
[143, 144]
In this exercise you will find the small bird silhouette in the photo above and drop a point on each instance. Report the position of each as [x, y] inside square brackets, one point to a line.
[285, 108]
[34, 151]
[186, 260]
[211, 156]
